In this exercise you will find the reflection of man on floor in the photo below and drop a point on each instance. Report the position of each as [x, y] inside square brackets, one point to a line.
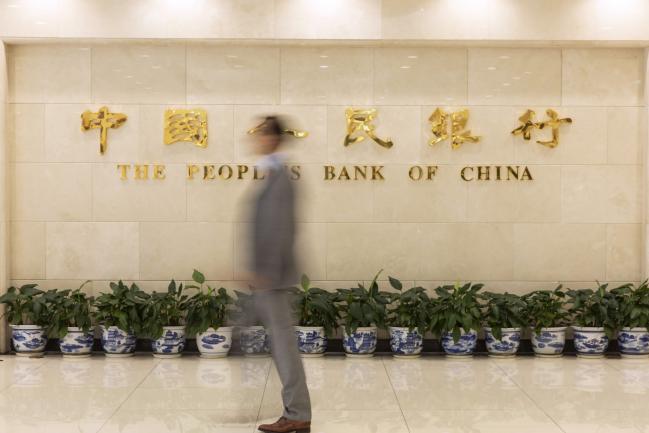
[274, 270]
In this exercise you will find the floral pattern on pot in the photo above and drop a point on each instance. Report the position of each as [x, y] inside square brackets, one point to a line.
[172, 341]
[633, 341]
[590, 341]
[117, 341]
[254, 340]
[311, 339]
[405, 342]
[360, 342]
[465, 345]
[76, 342]
[549, 342]
[214, 343]
[28, 338]
[507, 345]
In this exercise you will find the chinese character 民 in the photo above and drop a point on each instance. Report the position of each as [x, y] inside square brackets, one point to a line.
[186, 125]
[459, 119]
[553, 122]
[102, 120]
[294, 132]
[359, 122]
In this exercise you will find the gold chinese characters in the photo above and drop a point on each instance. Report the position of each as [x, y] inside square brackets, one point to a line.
[360, 122]
[186, 125]
[294, 132]
[553, 122]
[459, 134]
[102, 120]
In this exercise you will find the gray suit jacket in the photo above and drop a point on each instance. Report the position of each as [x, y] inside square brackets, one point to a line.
[274, 231]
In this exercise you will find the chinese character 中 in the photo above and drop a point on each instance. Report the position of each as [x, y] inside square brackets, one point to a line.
[459, 134]
[102, 120]
[359, 122]
[186, 125]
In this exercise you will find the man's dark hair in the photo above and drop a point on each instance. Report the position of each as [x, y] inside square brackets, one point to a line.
[272, 125]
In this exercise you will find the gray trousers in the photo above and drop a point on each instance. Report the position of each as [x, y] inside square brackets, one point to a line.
[273, 308]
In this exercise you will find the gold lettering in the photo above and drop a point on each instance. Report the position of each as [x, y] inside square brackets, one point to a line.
[483, 172]
[376, 172]
[208, 172]
[463, 173]
[432, 171]
[415, 169]
[255, 175]
[241, 169]
[330, 173]
[123, 170]
[141, 171]
[192, 169]
[295, 172]
[343, 172]
[526, 174]
[498, 172]
[511, 171]
[360, 171]
[159, 171]
[229, 172]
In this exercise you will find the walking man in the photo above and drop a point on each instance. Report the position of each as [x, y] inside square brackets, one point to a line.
[274, 270]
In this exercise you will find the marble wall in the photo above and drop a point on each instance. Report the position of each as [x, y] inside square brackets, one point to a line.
[4, 211]
[578, 221]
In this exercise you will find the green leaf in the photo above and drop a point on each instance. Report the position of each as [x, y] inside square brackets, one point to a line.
[198, 277]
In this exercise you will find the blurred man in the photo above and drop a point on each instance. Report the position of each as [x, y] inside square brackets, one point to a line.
[274, 270]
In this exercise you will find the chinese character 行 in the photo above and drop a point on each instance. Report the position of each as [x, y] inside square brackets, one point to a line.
[553, 122]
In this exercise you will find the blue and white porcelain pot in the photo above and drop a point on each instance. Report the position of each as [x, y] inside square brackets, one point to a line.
[465, 346]
[116, 342]
[405, 343]
[590, 342]
[507, 345]
[361, 342]
[77, 343]
[549, 342]
[254, 341]
[311, 340]
[633, 342]
[28, 340]
[214, 343]
[171, 344]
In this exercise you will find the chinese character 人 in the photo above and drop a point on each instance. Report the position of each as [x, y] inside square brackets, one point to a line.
[359, 122]
[293, 132]
[186, 125]
[553, 122]
[459, 133]
[102, 120]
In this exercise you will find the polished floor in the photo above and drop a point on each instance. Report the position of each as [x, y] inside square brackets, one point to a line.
[380, 395]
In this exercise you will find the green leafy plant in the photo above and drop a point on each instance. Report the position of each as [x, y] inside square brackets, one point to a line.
[502, 310]
[546, 308]
[123, 307]
[71, 308]
[594, 308]
[362, 307]
[455, 309]
[409, 308]
[316, 307]
[209, 308]
[28, 305]
[164, 309]
[633, 304]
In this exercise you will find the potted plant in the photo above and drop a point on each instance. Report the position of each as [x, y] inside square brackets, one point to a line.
[363, 310]
[633, 337]
[594, 312]
[317, 317]
[119, 313]
[207, 312]
[253, 338]
[503, 316]
[409, 318]
[545, 311]
[164, 321]
[71, 322]
[27, 310]
[456, 318]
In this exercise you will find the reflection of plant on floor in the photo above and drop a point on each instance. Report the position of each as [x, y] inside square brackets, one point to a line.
[363, 307]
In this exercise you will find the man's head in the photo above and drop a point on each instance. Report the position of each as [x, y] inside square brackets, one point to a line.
[269, 135]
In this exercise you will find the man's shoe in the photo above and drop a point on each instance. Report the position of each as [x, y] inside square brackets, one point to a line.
[284, 425]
